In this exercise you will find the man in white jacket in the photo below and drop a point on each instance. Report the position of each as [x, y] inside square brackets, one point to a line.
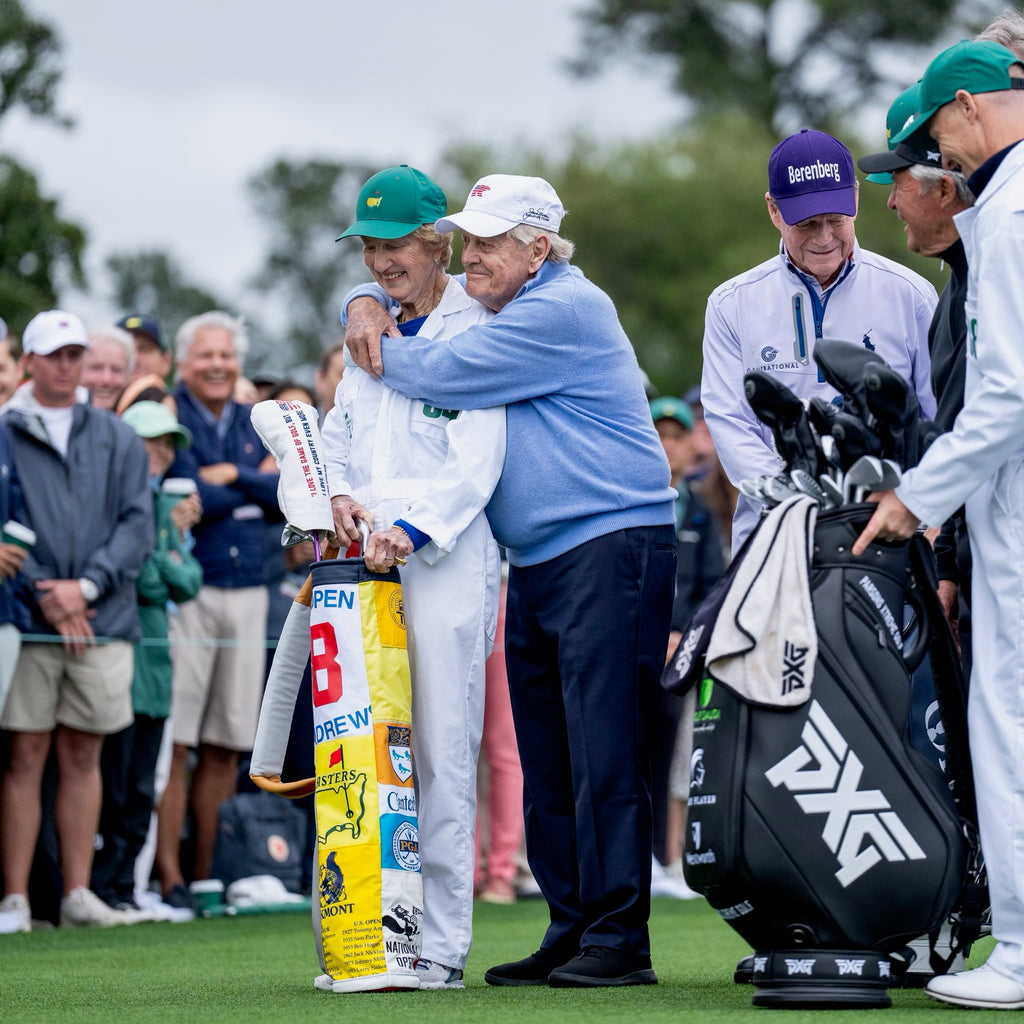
[972, 104]
[820, 284]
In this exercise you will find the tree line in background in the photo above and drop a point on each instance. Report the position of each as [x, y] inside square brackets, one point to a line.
[657, 224]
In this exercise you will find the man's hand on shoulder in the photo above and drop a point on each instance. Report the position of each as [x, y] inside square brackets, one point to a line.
[367, 321]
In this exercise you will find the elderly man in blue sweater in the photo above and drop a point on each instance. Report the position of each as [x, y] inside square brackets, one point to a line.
[584, 509]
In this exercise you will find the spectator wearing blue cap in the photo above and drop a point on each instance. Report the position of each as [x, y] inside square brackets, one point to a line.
[821, 284]
[152, 353]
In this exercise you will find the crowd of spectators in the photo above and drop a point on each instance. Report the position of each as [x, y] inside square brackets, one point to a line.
[141, 586]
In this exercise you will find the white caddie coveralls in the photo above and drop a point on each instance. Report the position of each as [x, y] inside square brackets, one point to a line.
[769, 317]
[436, 469]
[981, 463]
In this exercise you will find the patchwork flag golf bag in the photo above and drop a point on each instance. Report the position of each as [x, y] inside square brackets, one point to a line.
[349, 625]
[827, 823]
[367, 919]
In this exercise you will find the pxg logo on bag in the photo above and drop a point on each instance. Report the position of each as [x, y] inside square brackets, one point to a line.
[823, 774]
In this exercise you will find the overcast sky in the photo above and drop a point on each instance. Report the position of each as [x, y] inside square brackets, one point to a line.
[176, 104]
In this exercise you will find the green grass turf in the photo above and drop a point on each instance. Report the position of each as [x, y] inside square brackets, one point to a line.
[260, 970]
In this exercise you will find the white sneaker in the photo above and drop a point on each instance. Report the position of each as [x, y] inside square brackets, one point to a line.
[433, 975]
[663, 884]
[15, 914]
[82, 908]
[323, 983]
[151, 903]
[984, 988]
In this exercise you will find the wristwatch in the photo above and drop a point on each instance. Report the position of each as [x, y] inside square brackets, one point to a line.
[89, 589]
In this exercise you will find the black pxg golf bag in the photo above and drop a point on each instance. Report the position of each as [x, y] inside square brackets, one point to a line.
[830, 833]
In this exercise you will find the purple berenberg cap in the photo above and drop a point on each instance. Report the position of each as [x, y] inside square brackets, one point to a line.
[810, 174]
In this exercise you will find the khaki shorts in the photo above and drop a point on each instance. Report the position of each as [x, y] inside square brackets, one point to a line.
[219, 653]
[91, 692]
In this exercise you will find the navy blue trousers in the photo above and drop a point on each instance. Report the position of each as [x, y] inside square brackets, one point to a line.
[585, 641]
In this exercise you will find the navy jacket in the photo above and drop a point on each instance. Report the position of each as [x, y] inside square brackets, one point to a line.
[230, 536]
[10, 508]
[699, 559]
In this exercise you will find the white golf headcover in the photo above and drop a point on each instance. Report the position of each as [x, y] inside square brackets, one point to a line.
[290, 433]
[279, 698]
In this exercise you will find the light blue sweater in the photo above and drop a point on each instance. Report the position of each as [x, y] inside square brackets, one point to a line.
[583, 456]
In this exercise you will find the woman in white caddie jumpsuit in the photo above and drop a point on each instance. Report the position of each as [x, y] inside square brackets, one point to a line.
[394, 460]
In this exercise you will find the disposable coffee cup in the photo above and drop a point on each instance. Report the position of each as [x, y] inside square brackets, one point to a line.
[207, 896]
[179, 486]
[16, 533]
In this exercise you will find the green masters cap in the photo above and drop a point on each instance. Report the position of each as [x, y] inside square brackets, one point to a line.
[670, 408]
[973, 65]
[901, 110]
[154, 419]
[395, 202]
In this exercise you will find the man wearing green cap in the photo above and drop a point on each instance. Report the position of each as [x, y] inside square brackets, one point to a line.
[925, 196]
[972, 104]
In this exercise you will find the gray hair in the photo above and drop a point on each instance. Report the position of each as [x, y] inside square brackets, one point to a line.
[215, 318]
[1007, 29]
[931, 176]
[118, 337]
[561, 249]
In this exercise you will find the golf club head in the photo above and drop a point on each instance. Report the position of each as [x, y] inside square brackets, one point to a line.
[832, 488]
[778, 489]
[894, 405]
[751, 489]
[842, 364]
[821, 413]
[853, 439]
[891, 475]
[777, 407]
[864, 476]
[806, 484]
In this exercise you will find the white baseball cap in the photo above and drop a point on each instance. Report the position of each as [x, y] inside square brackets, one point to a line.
[49, 331]
[498, 202]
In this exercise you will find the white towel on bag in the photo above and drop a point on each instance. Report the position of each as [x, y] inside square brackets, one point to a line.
[764, 644]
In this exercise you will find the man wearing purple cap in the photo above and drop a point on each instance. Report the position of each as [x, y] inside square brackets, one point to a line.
[585, 511]
[972, 104]
[820, 285]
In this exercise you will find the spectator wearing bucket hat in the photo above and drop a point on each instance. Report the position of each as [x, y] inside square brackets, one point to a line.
[972, 104]
[584, 510]
[169, 574]
[86, 500]
[821, 284]
[423, 472]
